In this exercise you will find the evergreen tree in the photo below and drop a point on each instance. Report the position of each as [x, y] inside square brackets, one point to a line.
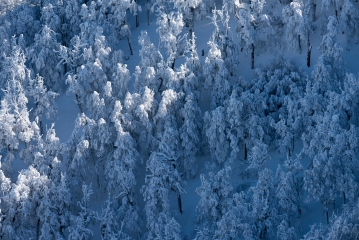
[215, 131]
[252, 22]
[215, 200]
[189, 134]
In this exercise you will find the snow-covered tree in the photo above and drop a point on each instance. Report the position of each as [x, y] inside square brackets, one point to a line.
[348, 18]
[288, 191]
[216, 75]
[16, 127]
[163, 177]
[328, 73]
[191, 10]
[331, 149]
[44, 100]
[22, 203]
[120, 175]
[54, 209]
[345, 225]
[145, 73]
[120, 81]
[43, 54]
[115, 12]
[297, 25]
[215, 200]
[252, 23]
[189, 134]
[170, 27]
[236, 222]
[263, 208]
[215, 132]
[81, 224]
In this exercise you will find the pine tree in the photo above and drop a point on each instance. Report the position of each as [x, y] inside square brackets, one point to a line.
[297, 25]
[44, 100]
[263, 210]
[80, 224]
[215, 131]
[189, 134]
[216, 75]
[170, 27]
[215, 201]
[252, 22]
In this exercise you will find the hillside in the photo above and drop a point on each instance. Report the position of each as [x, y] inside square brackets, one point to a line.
[179, 119]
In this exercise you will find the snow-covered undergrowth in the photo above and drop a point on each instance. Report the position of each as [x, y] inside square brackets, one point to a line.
[179, 119]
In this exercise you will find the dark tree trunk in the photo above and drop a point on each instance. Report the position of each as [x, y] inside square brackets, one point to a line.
[40, 121]
[179, 200]
[300, 45]
[191, 22]
[148, 13]
[252, 66]
[129, 44]
[313, 9]
[137, 20]
[309, 51]
[179, 203]
[173, 64]
[38, 228]
[326, 211]
[161, 83]
[79, 103]
[245, 152]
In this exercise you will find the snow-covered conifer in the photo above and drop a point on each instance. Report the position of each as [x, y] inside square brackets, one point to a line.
[43, 54]
[215, 131]
[263, 209]
[297, 26]
[170, 27]
[216, 197]
[216, 75]
[163, 177]
[252, 22]
[80, 224]
[189, 134]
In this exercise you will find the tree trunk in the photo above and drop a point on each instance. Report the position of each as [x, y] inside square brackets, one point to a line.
[137, 20]
[173, 64]
[327, 212]
[179, 203]
[38, 228]
[300, 45]
[79, 103]
[129, 44]
[160, 86]
[245, 151]
[252, 56]
[309, 51]
[191, 23]
[314, 11]
[40, 121]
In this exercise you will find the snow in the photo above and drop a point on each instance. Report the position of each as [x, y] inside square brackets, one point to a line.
[68, 111]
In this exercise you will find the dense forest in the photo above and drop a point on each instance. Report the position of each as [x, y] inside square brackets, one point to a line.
[179, 119]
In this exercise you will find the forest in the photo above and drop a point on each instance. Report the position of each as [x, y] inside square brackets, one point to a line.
[179, 119]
